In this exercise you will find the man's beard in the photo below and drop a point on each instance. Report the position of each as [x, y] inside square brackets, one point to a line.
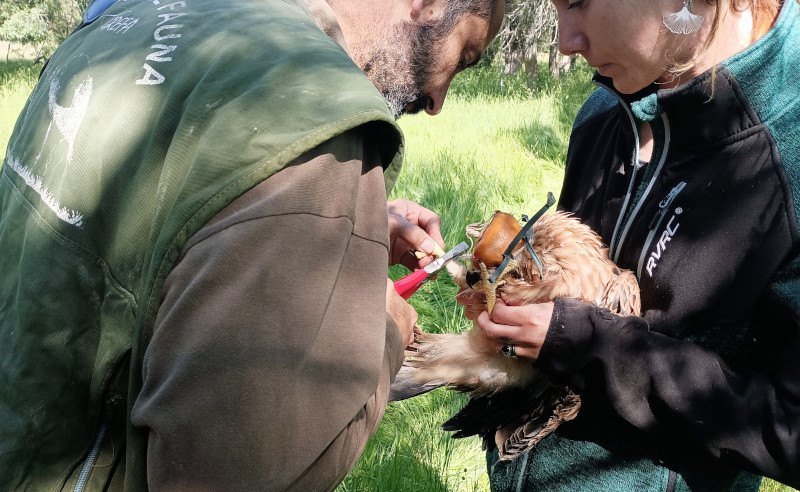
[402, 65]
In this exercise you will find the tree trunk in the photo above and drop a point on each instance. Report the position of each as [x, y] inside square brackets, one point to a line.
[554, 61]
[554, 54]
[531, 67]
[513, 60]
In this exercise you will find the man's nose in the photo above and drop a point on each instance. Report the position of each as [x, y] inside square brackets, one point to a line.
[436, 100]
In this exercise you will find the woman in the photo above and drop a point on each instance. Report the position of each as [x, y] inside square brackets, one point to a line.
[687, 162]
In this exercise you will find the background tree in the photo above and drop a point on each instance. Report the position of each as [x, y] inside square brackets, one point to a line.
[43, 24]
[531, 27]
[24, 27]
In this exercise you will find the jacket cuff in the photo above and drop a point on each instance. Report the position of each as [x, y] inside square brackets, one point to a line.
[568, 345]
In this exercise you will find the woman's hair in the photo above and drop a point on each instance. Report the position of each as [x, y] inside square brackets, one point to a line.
[764, 12]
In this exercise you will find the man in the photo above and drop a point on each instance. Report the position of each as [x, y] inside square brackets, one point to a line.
[194, 229]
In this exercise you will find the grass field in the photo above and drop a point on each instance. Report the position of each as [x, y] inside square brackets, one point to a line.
[491, 148]
[16, 81]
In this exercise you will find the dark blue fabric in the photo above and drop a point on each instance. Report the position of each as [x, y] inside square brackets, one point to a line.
[558, 464]
[96, 9]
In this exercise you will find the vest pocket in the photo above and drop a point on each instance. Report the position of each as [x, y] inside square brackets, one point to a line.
[66, 326]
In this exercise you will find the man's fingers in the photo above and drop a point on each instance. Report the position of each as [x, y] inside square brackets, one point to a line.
[432, 224]
[413, 228]
[525, 327]
[521, 352]
[411, 236]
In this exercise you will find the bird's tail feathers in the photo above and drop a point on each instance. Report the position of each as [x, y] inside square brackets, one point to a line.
[521, 436]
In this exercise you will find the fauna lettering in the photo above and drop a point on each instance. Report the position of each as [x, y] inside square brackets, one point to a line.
[163, 32]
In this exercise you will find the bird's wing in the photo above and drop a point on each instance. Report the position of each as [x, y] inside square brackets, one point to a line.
[483, 415]
[516, 419]
[404, 387]
[621, 294]
[557, 405]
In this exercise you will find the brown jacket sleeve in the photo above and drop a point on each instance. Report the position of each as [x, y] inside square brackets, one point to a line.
[272, 354]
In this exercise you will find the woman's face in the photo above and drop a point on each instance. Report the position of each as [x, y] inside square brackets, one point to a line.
[624, 39]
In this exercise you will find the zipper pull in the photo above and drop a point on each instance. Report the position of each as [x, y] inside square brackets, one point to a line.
[665, 203]
[111, 405]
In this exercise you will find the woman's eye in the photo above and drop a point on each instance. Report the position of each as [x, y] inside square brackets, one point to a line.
[577, 4]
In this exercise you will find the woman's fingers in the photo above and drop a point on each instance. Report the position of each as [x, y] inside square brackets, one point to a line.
[524, 327]
[529, 317]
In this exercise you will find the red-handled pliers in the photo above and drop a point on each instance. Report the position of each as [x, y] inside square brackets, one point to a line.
[413, 281]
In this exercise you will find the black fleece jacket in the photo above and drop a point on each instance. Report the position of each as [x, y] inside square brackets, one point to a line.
[711, 370]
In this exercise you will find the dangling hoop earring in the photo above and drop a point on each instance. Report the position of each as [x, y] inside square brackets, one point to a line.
[683, 22]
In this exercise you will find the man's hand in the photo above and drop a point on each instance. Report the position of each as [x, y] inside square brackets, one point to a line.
[412, 227]
[404, 316]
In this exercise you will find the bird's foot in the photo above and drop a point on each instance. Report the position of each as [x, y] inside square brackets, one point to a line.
[490, 288]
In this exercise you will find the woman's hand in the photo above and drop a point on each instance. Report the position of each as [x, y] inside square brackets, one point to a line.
[412, 227]
[524, 327]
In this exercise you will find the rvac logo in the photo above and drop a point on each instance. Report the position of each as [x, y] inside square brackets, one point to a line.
[661, 246]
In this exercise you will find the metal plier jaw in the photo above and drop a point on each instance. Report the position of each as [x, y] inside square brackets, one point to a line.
[413, 281]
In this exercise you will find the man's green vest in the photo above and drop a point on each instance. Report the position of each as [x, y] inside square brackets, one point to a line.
[144, 125]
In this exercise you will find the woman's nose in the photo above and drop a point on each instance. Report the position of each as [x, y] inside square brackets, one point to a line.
[571, 39]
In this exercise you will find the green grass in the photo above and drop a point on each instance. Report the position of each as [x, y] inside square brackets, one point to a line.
[492, 147]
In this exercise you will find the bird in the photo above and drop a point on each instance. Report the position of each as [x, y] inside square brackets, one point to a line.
[511, 405]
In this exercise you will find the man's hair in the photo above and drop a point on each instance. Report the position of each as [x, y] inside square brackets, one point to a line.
[457, 9]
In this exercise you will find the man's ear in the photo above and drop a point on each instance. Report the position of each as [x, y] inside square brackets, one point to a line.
[417, 8]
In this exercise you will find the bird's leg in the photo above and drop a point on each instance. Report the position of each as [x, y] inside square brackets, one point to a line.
[490, 288]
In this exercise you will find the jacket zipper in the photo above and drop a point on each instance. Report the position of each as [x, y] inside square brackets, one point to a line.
[620, 230]
[663, 206]
[672, 481]
[98, 441]
[618, 237]
[614, 237]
